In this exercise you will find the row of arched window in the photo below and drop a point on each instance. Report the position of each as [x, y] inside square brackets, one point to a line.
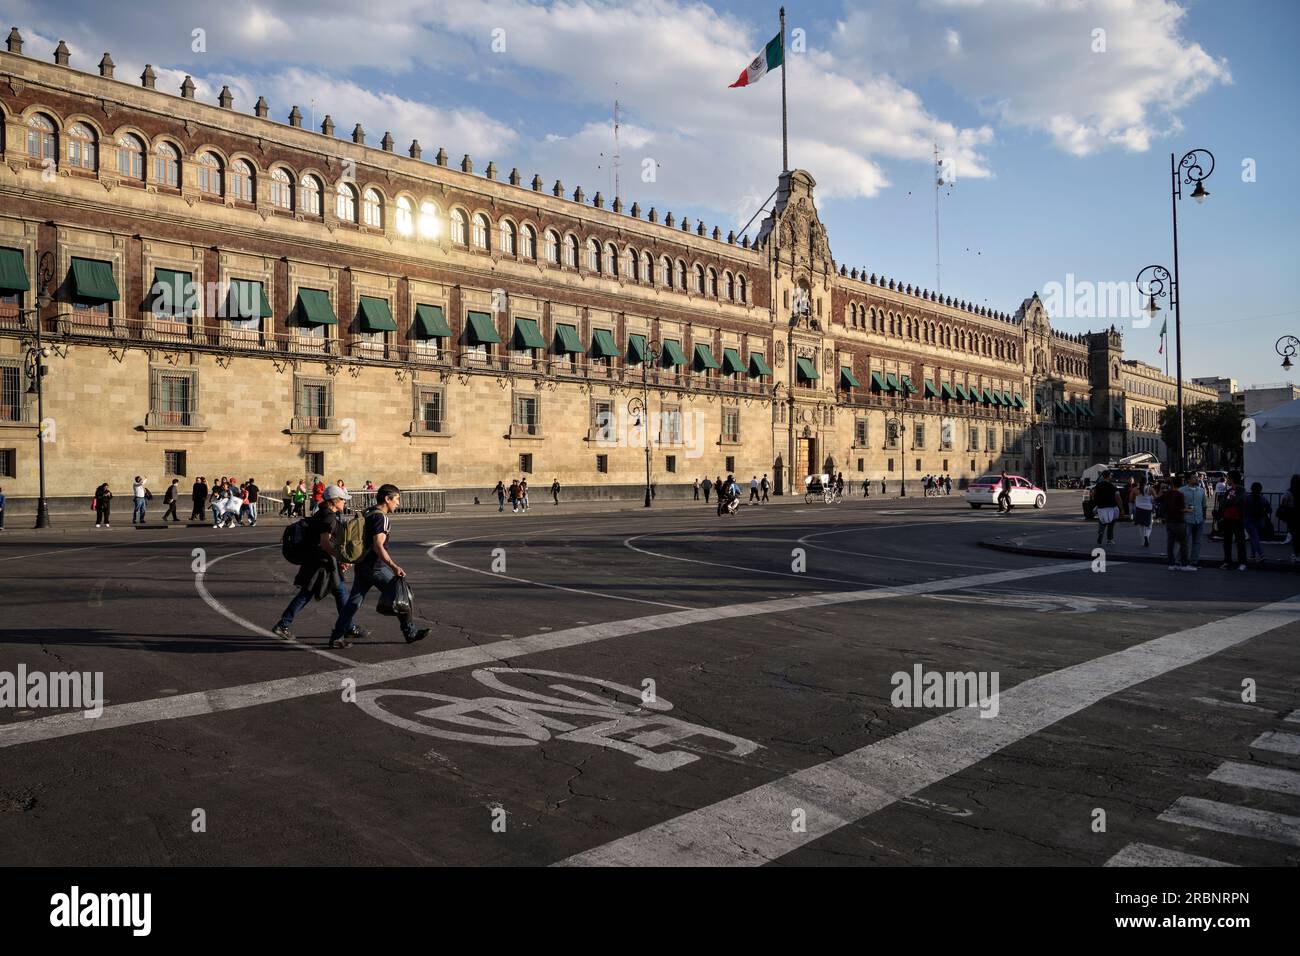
[887, 322]
[218, 178]
[1066, 365]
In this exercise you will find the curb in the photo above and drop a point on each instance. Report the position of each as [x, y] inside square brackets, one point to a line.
[995, 544]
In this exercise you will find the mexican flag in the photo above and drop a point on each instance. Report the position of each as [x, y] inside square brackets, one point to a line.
[1164, 330]
[773, 55]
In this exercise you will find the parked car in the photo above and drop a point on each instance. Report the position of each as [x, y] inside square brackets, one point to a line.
[985, 490]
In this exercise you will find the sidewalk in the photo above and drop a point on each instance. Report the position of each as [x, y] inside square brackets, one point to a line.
[1078, 544]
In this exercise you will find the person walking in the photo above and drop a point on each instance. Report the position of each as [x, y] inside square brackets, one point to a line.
[1144, 505]
[169, 499]
[839, 486]
[706, 486]
[555, 491]
[2, 509]
[500, 492]
[1288, 511]
[198, 498]
[1175, 530]
[1105, 498]
[103, 505]
[319, 557]
[317, 493]
[1194, 510]
[882, 485]
[523, 493]
[1004, 496]
[753, 489]
[1231, 508]
[376, 569]
[514, 496]
[695, 489]
[1257, 512]
[140, 496]
[286, 499]
[764, 486]
[300, 500]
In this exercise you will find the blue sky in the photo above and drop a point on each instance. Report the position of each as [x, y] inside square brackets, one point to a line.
[1060, 148]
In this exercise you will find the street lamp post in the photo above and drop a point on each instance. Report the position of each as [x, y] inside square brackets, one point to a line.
[1155, 283]
[899, 431]
[640, 407]
[1195, 167]
[35, 370]
[1286, 347]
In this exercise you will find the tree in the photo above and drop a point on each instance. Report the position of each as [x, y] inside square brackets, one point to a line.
[1213, 432]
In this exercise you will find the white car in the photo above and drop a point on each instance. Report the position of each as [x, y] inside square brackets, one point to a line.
[985, 490]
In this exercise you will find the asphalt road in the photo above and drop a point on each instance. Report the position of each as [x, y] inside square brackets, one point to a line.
[662, 688]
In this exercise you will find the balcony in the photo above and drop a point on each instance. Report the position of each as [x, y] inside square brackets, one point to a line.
[314, 425]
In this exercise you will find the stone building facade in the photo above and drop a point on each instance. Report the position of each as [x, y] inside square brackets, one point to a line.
[229, 294]
[1147, 392]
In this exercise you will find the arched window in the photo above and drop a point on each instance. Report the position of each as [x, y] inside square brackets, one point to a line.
[552, 247]
[571, 251]
[281, 189]
[481, 227]
[459, 227]
[699, 279]
[713, 283]
[210, 175]
[42, 142]
[166, 165]
[428, 224]
[681, 275]
[405, 217]
[81, 146]
[611, 260]
[241, 180]
[373, 209]
[666, 273]
[311, 196]
[130, 156]
[648, 268]
[345, 202]
[742, 289]
[529, 250]
[508, 243]
[593, 255]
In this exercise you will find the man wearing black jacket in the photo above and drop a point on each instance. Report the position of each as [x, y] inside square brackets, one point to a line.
[199, 496]
[321, 557]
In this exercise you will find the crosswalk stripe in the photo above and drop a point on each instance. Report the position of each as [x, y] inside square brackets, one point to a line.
[1294, 717]
[1144, 854]
[1241, 821]
[1258, 777]
[1278, 742]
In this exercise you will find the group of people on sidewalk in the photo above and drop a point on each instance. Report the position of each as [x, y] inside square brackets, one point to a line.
[517, 495]
[1187, 504]
[932, 485]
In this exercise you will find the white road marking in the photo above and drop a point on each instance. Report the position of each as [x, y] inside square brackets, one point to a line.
[1258, 777]
[1239, 821]
[1277, 742]
[1144, 854]
[290, 688]
[1293, 717]
[1227, 703]
[754, 827]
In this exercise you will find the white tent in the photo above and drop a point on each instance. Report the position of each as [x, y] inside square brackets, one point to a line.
[1274, 456]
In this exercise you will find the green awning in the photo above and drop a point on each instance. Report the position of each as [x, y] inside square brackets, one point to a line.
[172, 293]
[527, 335]
[946, 390]
[704, 358]
[847, 377]
[1019, 402]
[1061, 406]
[314, 308]
[602, 344]
[930, 390]
[988, 397]
[246, 300]
[13, 271]
[376, 316]
[1006, 399]
[567, 341]
[877, 382]
[807, 370]
[908, 387]
[92, 280]
[430, 323]
[481, 330]
[731, 363]
[1087, 409]
[993, 397]
[673, 355]
[637, 351]
[962, 393]
[891, 382]
[758, 365]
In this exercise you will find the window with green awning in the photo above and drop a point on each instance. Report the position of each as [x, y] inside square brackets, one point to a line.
[930, 390]
[480, 330]
[908, 387]
[877, 382]
[314, 308]
[945, 390]
[602, 344]
[92, 281]
[430, 323]
[246, 299]
[13, 271]
[1061, 406]
[704, 358]
[674, 357]
[527, 335]
[172, 293]
[731, 363]
[637, 349]
[847, 378]
[376, 316]
[1020, 402]
[758, 365]
[567, 341]
[806, 370]
[891, 382]
[993, 397]
[962, 393]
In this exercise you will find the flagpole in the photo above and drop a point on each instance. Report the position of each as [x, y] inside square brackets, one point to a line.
[785, 128]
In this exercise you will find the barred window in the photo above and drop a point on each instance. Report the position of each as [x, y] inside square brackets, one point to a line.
[313, 403]
[525, 414]
[860, 433]
[731, 424]
[12, 400]
[8, 463]
[173, 397]
[429, 410]
[429, 463]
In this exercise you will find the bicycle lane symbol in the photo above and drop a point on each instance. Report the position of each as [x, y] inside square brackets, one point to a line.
[528, 718]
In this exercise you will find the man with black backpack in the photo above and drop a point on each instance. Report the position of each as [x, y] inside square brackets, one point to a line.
[375, 568]
[309, 542]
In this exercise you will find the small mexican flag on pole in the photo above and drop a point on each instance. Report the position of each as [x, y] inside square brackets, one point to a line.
[1164, 330]
[773, 55]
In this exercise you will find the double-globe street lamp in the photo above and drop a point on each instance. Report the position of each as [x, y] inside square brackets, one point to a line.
[1286, 347]
[34, 370]
[1195, 167]
[640, 407]
[894, 426]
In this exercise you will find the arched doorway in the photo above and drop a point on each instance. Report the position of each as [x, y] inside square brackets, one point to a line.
[778, 476]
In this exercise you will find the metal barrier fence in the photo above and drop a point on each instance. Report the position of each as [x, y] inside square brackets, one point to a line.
[415, 501]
